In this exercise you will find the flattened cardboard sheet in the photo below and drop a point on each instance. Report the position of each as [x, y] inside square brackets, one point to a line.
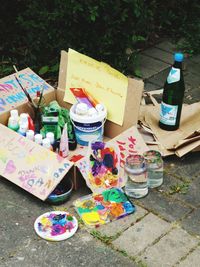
[29, 165]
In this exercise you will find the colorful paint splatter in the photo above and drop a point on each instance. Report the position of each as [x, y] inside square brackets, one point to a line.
[56, 225]
[98, 209]
[103, 166]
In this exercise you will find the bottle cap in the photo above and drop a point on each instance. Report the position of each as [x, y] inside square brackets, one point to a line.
[178, 57]
[38, 93]
[30, 134]
[14, 113]
[50, 136]
[46, 143]
[38, 139]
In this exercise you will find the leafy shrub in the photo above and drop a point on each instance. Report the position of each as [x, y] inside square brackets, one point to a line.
[34, 32]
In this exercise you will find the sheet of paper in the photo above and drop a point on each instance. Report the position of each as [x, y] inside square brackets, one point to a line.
[106, 84]
[29, 165]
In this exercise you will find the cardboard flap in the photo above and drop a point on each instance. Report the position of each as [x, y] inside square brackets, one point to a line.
[29, 165]
[11, 94]
[134, 94]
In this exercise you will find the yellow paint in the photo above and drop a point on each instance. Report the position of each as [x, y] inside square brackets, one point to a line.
[100, 80]
[92, 218]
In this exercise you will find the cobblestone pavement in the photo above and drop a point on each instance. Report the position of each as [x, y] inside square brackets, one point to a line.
[164, 230]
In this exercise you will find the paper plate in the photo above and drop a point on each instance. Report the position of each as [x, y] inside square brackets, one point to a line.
[56, 225]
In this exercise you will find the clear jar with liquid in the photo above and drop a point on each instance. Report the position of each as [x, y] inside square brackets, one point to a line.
[136, 176]
[154, 164]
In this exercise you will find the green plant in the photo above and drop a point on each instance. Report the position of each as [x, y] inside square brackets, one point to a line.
[180, 188]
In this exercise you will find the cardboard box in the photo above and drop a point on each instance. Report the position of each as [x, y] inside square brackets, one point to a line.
[11, 96]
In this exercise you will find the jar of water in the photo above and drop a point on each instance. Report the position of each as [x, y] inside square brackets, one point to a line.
[136, 176]
[154, 164]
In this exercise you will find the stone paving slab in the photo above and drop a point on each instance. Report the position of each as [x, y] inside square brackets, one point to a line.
[186, 167]
[80, 250]
[192, 222]
[167, 46]
[159, 54]
[113, 228]
[142, 234]
[192, 260]
[168, 208]
[150, 66]
[169, 249]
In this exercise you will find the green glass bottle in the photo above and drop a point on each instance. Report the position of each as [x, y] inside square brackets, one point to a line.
[173, 95]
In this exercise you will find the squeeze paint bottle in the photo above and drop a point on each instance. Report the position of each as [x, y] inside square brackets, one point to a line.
[46, 143]
[50, 136]
[23, 124]
[13, 121]
[30, 135]
[64, 146]
[38, 139]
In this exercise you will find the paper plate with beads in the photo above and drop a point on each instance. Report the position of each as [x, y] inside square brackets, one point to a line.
[56, 225]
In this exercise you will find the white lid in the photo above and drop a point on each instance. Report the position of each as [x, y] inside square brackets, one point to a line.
[99, 107]
[30, 134]
[46, 143]
[81, 108]
[92, 112]
[38, 138]
[50, 136]
[14, 113]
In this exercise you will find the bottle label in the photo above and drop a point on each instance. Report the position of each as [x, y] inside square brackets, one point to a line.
[174, 75]
[168, 114]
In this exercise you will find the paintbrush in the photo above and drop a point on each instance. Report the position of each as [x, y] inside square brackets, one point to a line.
[23, 89]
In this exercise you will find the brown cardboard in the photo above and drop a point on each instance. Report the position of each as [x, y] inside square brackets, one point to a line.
[134, 94]
[179, 142]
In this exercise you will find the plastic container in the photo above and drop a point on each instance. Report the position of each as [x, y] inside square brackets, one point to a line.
[88, 128]
[62, 192]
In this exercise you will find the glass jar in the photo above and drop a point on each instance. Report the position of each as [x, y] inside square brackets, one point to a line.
[136, 176]
[154, 164]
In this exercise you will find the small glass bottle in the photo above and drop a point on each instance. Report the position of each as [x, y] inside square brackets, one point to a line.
[154, 164]
[136, 176]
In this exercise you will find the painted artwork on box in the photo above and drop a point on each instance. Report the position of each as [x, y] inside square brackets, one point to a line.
[130, 142]
[103, 166]
[29, 165]
[98, 209]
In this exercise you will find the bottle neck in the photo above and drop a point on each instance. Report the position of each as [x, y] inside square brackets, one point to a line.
[177, 65]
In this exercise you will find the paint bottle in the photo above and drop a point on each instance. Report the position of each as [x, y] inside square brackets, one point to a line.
[30, 135]
[64, 146]
[46, 143]
[50, 136]
[38, 139]
[23, 124]
[13, 121]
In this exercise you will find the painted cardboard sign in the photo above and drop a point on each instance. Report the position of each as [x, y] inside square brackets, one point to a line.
[129, 142]
[99, 79]
[29, 165]
[11, 95]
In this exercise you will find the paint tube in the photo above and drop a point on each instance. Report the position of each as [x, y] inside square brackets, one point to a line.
[64, 146]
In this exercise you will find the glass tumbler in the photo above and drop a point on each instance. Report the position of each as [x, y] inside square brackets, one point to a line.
[136, 176]
[154, 164]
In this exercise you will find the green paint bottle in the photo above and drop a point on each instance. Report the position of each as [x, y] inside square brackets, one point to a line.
[13, 121]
